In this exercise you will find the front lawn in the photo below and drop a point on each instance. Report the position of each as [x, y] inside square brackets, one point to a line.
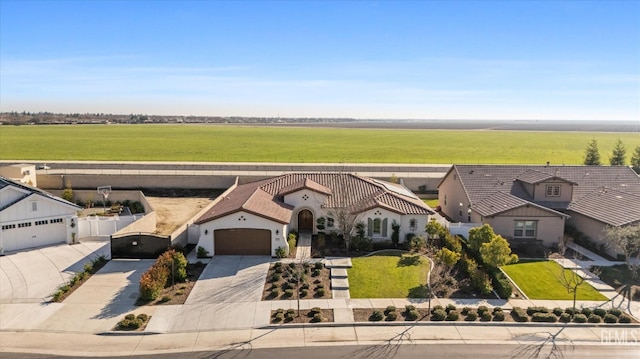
[392, 275]
[539, 280]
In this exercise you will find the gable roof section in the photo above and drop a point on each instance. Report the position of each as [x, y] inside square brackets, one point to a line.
[305, 183]
[265, 198]
[534, 176]
[501, 202]
[609, 206]
[29, 191]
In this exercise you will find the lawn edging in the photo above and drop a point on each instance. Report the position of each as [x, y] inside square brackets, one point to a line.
[514, 284]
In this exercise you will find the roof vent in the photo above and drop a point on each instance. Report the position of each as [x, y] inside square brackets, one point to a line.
[471, 172]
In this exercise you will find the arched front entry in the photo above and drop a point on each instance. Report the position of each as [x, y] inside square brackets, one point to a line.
[305, 221]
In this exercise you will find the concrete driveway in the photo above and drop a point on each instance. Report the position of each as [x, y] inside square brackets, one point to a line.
[32, 276]
[227, 296]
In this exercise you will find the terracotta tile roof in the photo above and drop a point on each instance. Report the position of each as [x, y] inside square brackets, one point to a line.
[481, 182]
[609, 206]
[265, 198]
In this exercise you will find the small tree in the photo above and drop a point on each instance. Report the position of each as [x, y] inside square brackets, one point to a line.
[617, 157]
[497, 252]
[448, 257]
[320, 222]
[67, 194]
[635, 160]
[480, 235]
[592, 156]
[395, 234]
[627, 240]
[434, 228]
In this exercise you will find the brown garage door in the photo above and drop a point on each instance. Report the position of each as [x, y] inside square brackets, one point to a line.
[242, 241]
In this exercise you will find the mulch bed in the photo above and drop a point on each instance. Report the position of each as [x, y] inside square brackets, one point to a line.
[286, 276]
[303, 318]
[178, 293]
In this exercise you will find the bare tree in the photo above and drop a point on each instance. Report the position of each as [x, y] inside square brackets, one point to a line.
[627, 240]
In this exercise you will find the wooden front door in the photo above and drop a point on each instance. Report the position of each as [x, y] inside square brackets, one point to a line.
[305, 220]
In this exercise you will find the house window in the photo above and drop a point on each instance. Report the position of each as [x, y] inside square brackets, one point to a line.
[413, 224]
[41, 223]
[377, 225]
[553, 191]
[445, 199]
[56, 220]
[8, 226]
[330, 222]
[25, 224]
[524, 229]
[34, 206]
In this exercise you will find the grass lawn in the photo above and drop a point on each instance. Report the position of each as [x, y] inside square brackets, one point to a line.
[433, 203]
[388, 276]
[539, 280]
[217, 143]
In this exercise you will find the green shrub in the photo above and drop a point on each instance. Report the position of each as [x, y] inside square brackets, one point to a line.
[610, 318]
[57, 296]
[532, 310]
[304, 293]
[449, 308]
[482, 309]
[579, 318]
[318, 265]
[465, 310]
[519, 314]
[471, 316]
[277, 265]
[129, 324]
[202, 253]
[279, 310]
[438, 315]
[558, 311]
[571, 311]
[287, 285]
[390, 308]
[411, 314]
[292, 265]
[143, 317]
[376, 316]
[317, 318]
[165, 299]
[88, 267]
[437, 307]
[130, 316]
[409, 307]
[320, 292]
[502, 286]
[485, 316]
[481, 281]
[593, 318]
[275, 277]
[279, 317]
[281, 252]
[624, 318]
[288, 316]
[600, 312]
[544, 317]
[586, 311]
[315, 310]
[496, 310]
[288, 293]
[615, 311]
[391, 316]
[498, 316]
[565, 317]
[452, 316]
[319, 286]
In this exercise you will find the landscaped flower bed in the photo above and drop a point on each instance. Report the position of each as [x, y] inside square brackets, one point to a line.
[79, 278]
[485, 314]
[133, 323]
[296, 280]
[313, 315]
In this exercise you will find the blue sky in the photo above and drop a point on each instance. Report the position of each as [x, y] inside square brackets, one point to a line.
[569, 60]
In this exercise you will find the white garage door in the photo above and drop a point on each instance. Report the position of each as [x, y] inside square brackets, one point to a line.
[33, 236]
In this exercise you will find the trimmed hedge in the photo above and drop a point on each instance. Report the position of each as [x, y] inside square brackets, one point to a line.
[544, 317]
[519, 314]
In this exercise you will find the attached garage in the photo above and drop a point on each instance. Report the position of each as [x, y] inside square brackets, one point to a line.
[242, 241]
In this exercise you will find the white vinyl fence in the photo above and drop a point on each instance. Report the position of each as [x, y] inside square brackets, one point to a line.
[96, 226]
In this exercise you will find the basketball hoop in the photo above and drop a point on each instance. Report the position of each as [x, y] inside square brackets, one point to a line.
[104, 191]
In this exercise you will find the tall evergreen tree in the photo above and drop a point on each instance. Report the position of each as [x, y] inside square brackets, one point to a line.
[635, 160]
[617, 157]
[592, 156]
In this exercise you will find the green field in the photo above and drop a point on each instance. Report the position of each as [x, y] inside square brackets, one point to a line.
[387, 276]
[289, 144]
[539, 280]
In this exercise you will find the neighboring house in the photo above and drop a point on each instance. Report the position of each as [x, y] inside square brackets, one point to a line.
[30, 217]
[255, 218]
[21, 172]
[533, 202]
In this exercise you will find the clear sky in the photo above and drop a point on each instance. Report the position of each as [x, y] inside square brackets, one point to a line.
[570, 60]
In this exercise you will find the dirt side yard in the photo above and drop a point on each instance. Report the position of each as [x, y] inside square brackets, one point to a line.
[172, 212]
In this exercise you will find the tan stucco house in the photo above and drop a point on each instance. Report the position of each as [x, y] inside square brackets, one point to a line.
[533, 202]
[254, 218]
